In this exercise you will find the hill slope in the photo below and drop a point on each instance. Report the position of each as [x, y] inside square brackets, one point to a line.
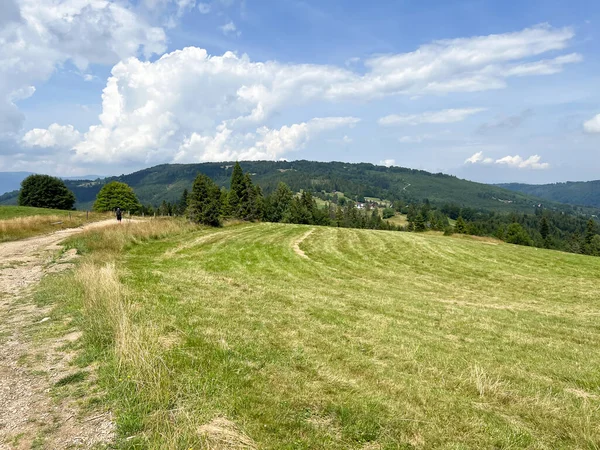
[585, 193]
[167, 182]
[294, 336]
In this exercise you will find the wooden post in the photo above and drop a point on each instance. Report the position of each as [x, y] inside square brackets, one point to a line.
[87, 215]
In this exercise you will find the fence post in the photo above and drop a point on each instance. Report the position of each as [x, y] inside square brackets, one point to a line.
[87, 215]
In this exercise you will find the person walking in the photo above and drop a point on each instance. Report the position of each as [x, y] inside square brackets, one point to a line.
[119, 214]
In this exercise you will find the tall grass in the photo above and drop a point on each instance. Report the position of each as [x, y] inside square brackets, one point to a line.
[133, 352]
[27, 226]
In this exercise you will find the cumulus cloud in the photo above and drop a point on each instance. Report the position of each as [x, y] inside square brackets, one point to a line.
[444, 116]
[592, 125]
[188, 104]
[265, 143]
[533, 162]
[388, 162]
[55, 136]
[49, 33]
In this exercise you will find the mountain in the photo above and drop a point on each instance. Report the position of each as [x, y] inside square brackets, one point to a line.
[9, 181]
[167, 182]
[585, 193]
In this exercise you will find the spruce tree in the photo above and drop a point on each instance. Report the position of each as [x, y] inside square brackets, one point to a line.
[204, 202]
[236, 192]
[590, 231]
[460, 226]
[544, 228]
[279, 203]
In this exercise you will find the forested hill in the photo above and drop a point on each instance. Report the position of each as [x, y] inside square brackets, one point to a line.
[356, 181]
[585, 193]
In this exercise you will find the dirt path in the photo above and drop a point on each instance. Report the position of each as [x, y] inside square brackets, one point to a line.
[29, 416]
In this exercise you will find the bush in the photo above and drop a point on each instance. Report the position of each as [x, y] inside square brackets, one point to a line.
[516, 234]
[388, 212]
[44, 191]
[116, 195]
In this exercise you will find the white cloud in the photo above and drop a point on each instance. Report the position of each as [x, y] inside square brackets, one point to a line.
[51, 33]
[229, 28]
[55, 136]
[151, 109]
[478, 158]
[533, 162]
[204, 8]
[265, 143]
[592, 125]
[444, 116]
[388, 162]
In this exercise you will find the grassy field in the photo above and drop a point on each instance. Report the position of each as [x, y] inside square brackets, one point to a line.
[399, 220]
[19, 222]
[230, 338]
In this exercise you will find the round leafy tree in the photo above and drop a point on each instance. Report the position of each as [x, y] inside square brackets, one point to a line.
[44, 191]
[116, 195]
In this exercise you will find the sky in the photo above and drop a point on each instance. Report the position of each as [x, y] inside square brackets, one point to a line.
[488, 90]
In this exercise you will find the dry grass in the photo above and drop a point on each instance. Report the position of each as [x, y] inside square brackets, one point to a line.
[23, 227]
[221, 433]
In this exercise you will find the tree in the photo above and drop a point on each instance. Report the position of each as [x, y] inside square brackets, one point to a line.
[544, 228]
[237, 192]
[419, 222]
[593, 248]
[182, 203]
[590, 231]
[279, 203]
[516, 234]
[116, 195]
[388, 213]
[204, 202]
[460, 226]
[44, 191]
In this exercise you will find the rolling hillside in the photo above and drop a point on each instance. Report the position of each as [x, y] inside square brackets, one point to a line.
[167, 182]
[586, 193]
[288, 336]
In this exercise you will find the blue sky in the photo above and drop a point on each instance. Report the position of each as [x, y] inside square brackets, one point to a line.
[493, 91]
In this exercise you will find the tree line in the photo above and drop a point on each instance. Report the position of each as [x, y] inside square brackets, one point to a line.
[209, 204]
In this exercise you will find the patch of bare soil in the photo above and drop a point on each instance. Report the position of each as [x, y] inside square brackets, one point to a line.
[29, 415]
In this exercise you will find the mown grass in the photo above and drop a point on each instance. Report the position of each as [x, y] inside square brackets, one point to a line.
[19, 222]
[228, 339]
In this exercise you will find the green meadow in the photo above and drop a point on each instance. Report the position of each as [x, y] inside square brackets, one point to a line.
[282, 336]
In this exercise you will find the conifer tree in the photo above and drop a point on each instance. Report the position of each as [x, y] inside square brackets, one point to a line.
[279, 203]
[236, 192]
[590, 231]
[460, 226]
[204, 202]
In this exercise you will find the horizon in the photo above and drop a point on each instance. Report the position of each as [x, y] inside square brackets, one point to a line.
[485, 92]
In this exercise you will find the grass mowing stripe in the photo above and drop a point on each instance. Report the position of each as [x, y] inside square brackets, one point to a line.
[377, 340]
